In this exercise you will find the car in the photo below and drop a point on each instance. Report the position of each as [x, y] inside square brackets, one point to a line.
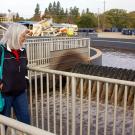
[128, 31]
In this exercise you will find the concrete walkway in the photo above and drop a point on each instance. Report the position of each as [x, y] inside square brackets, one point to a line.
[115, 35]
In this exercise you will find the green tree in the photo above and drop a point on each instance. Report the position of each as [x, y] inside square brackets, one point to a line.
[54, 8]
[116, 18]
[87, 10]
[61, 17]
[17, 18]
[37, 14]
[50, 8]
[74, 11]
[131, 19]
[58, 8]
[57, 12]
[66, 12]
[37, 9]
[74, 14]
[83, 12]
[87, 21]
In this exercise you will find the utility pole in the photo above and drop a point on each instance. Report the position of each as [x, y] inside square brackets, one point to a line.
[104, 15]
[98, 20]
[104, 5]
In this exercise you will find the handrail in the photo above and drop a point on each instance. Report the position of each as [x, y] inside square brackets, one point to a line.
[102, 79]
[92, 98]
[22, 127]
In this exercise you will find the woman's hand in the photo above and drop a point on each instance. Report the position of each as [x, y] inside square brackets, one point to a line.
[28, 33]
[1, 86]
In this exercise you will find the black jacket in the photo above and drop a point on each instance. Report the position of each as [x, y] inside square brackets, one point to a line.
[14, 72]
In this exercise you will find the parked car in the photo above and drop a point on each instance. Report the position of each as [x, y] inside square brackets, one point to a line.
[87, 30]
[128, 31]
[107, 30]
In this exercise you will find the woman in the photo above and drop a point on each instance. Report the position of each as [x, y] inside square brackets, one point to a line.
[13, 85]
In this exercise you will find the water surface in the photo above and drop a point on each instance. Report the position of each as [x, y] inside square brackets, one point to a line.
[118, 58]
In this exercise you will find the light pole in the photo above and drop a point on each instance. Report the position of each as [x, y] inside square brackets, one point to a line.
[10, 16]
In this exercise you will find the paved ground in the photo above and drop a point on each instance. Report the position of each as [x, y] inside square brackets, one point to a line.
[115, 35]
[114, 40]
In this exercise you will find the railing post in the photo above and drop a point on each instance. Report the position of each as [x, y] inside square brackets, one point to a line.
[133, 127]
[115, 109]
[2, 129]
[13, 131]
[97, 108]
[73, 104]
[28, 53]
[67, 105]
[89, 48]
[36, 100]
[30, 92]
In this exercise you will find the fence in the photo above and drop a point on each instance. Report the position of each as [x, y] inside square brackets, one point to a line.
[19, 126]
[39, 52]
[56, 105]
[39, 49]
[6, 19]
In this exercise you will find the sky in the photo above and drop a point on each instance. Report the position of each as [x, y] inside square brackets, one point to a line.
[26, 8]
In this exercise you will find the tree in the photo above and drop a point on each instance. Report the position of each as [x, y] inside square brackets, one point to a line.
[87, 10]
[54, 8]
[50, 8]
[37, 9]
[58, 12]
[66, 12]
[74, 13]
[83, 12]
[131, 19]
[87, 21]
[117, 18]
[46, 13]
[58, 8]
[17, 18]
[60, 18]
[37, 14]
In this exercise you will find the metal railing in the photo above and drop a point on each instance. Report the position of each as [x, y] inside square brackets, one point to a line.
[1, 33]
[39, 49]
[58, 104]
[6, 19]
[19, 128]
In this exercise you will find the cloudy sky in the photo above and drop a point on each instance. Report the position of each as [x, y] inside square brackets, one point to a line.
[26, 8]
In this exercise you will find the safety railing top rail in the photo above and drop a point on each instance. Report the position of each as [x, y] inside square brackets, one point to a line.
[42, 39]
[19, 126]
[39, 41]
[89, 77]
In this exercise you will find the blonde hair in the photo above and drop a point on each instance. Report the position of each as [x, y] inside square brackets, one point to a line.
[12, 35]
